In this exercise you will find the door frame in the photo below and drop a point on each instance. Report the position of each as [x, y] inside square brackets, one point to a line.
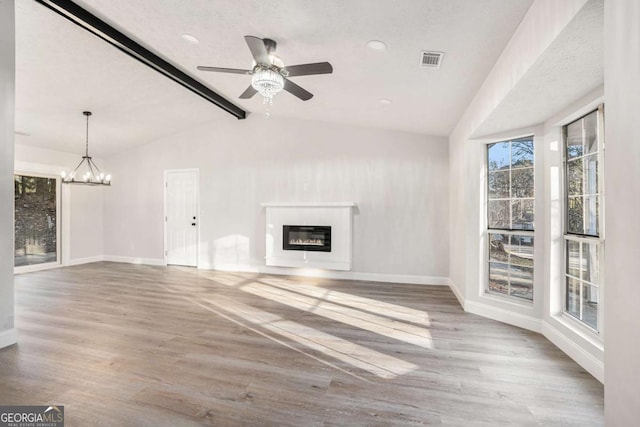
[166, 173]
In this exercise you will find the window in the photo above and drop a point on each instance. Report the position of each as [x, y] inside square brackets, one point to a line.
[583, 218]
[36, 229]
[510, 221]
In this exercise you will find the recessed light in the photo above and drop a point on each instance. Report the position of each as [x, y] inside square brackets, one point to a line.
[384, 101]
[190, 38]
[376, 45]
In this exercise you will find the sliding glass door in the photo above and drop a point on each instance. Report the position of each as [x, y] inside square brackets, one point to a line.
[37, 237]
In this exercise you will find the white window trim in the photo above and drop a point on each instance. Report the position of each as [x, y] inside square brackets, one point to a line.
[568, 319]
[485, 292]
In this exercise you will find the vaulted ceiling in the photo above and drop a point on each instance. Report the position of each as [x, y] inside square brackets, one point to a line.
[62, 70]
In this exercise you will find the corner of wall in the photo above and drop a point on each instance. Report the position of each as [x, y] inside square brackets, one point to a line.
[85, 260]
[588, 361]
[8, 337]
[458, 292]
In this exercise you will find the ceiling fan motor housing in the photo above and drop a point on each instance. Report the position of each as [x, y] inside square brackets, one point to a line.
[270, 45]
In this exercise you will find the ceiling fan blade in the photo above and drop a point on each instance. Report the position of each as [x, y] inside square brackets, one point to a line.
[309, 69]
[258, 49]
[248, 93]
[296, 90]
[223, 70]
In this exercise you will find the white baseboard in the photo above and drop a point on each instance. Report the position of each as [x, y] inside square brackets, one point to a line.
[8, 337]
[85, 260]
[456, 292]
[505, 316]
[50, 265]
[299, 263]
[36, 267]
[134, 260]
[341, 275]
[572, 349]
[395, 278]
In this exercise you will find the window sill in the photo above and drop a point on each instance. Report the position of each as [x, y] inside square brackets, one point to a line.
[505, 299]
[584, 332]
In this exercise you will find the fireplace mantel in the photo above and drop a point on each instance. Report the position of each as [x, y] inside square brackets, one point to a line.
[336, 216]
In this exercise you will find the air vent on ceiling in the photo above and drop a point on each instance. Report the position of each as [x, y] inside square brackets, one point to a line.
[431, 59]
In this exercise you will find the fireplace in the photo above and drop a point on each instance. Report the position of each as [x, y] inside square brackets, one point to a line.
[327, 246]
[306, 238]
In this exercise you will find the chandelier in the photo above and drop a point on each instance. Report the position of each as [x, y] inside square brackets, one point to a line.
[86, 172]
[268, 80]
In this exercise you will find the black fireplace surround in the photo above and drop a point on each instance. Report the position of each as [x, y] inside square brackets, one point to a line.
[306, 238]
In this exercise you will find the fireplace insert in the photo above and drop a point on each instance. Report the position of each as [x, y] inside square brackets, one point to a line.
[306, 238]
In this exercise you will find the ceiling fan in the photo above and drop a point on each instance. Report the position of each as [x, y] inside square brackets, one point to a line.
[269, 75]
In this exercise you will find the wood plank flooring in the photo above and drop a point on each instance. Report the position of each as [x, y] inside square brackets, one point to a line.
[131, 345]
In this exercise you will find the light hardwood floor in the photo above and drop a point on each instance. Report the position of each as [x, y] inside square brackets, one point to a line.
[131, 345]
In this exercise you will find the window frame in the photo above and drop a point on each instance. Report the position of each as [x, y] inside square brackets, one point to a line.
[509, 295]
[58, 261]
[599, 239]
[509, 231]
[510, 198]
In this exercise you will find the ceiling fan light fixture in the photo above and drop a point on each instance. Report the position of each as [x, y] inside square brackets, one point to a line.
[268, 83]
[268, 73]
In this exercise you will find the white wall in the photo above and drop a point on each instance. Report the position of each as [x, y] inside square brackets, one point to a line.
[544, 22]
[399, 181]
[622, 202]
[85, 232]
[81, 207]
[7, 114]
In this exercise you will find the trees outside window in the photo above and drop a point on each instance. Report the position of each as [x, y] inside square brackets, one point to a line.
[36, 236]
[510, 217]
[584, 239]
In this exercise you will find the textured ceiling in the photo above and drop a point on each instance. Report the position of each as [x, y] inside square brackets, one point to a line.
[571, 67]
[63, 70]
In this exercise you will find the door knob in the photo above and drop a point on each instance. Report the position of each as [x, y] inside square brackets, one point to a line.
[193, 223]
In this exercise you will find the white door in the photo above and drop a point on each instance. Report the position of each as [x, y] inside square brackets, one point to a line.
[181, 216]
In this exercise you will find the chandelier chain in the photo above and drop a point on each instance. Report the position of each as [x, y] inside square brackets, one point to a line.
[87, 138]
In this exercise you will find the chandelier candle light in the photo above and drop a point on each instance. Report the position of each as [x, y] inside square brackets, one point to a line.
[92, 174]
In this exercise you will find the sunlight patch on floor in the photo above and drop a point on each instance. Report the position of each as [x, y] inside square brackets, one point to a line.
[378, 364]
[340, 313]
[382, 308]
[231, 279]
